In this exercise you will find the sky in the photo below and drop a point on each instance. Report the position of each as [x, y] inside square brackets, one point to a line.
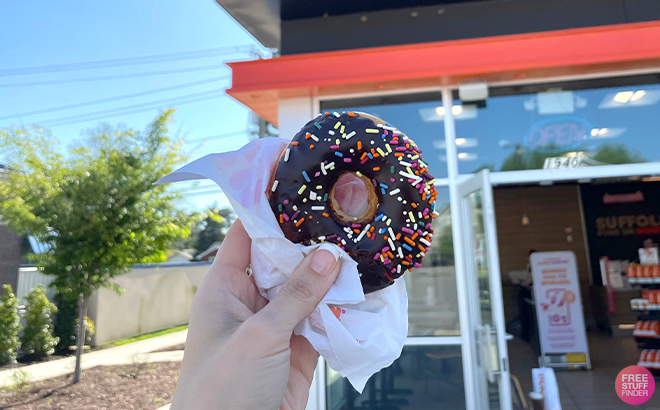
[38, 33]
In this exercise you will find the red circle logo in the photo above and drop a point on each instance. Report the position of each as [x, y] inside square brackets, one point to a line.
[635, 385]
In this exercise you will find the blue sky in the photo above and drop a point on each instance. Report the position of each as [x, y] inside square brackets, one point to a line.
[42, 33]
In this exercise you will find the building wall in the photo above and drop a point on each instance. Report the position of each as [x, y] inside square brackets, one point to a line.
[155, 298]
[10, 253]
[305, 32]
[550, 210]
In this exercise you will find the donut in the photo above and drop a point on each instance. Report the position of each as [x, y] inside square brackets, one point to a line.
[336, 155]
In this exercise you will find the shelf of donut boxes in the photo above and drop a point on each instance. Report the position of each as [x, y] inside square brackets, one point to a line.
[647, 329]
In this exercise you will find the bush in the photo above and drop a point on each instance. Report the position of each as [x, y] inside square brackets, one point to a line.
[10, 325]
[37, 339]
[89, 330]
[66, 323]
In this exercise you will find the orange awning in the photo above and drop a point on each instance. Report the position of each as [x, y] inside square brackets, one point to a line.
[259, 84]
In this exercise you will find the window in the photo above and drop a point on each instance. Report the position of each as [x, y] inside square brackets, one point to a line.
[569, 124]
[424, 377]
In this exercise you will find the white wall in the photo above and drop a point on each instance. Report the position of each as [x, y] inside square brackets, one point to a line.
[293, 114]
[155, 298]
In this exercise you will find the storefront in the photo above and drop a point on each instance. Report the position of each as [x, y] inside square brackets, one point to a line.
[566, 113]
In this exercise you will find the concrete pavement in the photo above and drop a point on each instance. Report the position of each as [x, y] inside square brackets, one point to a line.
[131, 353]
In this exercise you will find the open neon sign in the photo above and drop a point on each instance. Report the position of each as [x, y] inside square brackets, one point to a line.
[565, 132]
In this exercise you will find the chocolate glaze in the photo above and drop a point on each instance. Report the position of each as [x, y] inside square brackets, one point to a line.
[314, 145]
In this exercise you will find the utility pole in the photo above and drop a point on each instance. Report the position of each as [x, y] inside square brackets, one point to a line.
[263, 128]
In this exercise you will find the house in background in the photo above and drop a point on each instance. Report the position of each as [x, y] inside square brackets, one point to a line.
[209, 254]
[181, 256]
[10, 251]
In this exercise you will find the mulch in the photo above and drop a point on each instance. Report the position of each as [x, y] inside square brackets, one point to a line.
[143, 386]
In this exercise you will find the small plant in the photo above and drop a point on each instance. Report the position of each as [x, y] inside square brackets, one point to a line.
[37, 339]
[66, 323]
[89, 330]
[10, 325]
[20, 380]
[138, 367]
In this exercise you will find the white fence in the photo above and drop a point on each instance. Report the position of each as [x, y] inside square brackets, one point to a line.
[30, 278]
[156, 297]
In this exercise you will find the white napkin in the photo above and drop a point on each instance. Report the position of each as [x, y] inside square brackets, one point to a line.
[356, 334]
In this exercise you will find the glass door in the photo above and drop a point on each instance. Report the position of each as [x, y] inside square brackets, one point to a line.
[484, 290]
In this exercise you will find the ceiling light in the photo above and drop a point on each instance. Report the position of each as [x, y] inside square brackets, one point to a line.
[623, 96]
[456, 109]
[639, 94]
[603, 131]
[594, 132]
[440, 111]
[460, 141]
[525, 220]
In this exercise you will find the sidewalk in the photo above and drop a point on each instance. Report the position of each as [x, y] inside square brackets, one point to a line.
[138, 352]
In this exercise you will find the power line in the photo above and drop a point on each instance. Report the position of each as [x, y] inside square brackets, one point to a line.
[212, 137]
[110, 110]
[121, 97]
[60, 121]
[120, 62]
[213, 191]
[113, 77]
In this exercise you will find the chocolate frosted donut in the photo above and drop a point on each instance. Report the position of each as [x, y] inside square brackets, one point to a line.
[325, 162]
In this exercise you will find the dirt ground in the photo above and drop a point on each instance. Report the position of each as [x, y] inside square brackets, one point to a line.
[171, 349]
[140, 386]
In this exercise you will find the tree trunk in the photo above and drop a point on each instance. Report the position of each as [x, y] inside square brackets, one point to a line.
[80, 339]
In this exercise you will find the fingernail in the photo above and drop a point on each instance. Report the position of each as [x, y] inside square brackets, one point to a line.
[324, 260]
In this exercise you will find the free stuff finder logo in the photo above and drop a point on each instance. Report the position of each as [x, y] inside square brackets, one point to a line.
[635, 385]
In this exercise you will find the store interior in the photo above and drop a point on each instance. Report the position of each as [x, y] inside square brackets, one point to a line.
[593, 219]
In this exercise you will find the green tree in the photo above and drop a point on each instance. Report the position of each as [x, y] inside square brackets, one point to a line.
[617, 154]
[214, 227]
[523, 159]
[10, 325]
[97, 207]
[37, 339]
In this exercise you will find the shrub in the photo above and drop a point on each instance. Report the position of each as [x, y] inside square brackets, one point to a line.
[10, 325]
[37, 338]
[66, 323]
[89, 330]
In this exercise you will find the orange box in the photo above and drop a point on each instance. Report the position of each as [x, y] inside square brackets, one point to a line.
[651, 358]
[633, 271]
[654, 328]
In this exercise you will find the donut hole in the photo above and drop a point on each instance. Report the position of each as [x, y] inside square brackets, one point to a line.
[353, 198]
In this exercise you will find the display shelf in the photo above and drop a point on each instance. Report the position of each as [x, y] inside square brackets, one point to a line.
[644, 281]
[648, 308]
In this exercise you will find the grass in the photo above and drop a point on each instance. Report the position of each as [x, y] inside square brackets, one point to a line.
[143, 337]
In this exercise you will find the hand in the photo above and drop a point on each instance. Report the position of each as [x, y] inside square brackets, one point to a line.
[241, 352]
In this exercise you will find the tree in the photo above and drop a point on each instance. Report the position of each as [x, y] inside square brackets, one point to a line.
[97, 207]
[214, 227]
[37, 339]
[522, 159]
[10, 325]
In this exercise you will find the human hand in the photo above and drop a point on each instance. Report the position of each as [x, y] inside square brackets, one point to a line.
[241, 352]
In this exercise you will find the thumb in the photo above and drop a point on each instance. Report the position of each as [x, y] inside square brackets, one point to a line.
[303, 291]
